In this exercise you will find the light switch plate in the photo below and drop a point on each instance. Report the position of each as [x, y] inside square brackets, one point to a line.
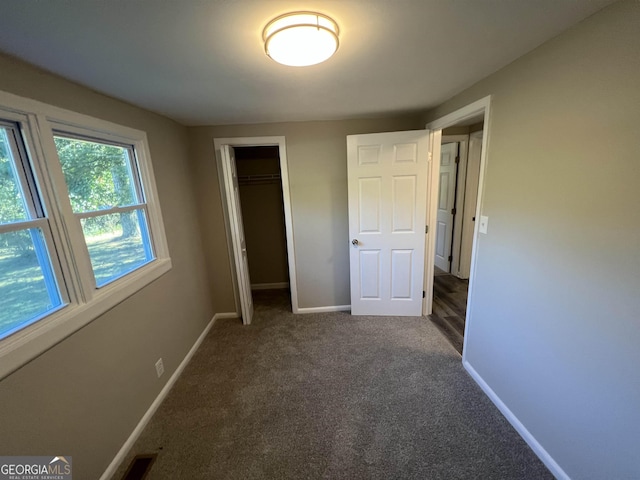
[484, 224]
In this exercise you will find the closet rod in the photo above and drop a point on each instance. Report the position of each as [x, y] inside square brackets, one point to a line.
[256, 179]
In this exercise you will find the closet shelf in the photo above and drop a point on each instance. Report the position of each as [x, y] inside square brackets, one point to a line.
[258, 179]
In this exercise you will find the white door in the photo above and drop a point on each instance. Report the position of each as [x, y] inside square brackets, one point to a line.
[446, 205]
[237, 232]
[470, 203]
[387, 210]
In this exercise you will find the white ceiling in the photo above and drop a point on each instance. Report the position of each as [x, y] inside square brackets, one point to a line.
[201, 62]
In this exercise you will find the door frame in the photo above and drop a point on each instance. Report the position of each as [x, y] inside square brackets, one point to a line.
[482, 106]
[232, 196]
[225, 188]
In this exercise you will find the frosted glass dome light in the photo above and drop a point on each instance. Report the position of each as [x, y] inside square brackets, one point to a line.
[300, 39]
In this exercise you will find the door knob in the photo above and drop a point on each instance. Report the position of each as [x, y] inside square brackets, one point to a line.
[354, 241]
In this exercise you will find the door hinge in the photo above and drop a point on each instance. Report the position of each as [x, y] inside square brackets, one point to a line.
[450, 257]
[458, 159]
[453, 211]
[423, 294]
[426, 229]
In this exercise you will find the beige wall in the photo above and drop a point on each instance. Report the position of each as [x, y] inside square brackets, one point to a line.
[553, 328]
[84, 396]
[476, 127]
[455, 130]
[317, 162]
[463, 130]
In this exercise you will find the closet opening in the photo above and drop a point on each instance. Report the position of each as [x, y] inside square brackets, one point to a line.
[254, 182]
[263, 221]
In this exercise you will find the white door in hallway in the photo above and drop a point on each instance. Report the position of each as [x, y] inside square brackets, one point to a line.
[470, 203]
[237, 232]
[446, 205]
[387, 175]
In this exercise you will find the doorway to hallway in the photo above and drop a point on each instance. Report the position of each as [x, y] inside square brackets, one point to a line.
[459, 173]
[449, 306]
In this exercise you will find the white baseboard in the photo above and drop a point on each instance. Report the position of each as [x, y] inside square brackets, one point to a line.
[269, 286]
[538, 449]
[122, 453]
[331, 308]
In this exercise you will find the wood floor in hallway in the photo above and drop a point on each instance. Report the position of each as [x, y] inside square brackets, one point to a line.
[449, 307]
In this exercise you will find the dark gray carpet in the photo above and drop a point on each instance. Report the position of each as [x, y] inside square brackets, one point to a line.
[330, 396]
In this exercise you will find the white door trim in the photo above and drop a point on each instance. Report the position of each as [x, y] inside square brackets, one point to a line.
[482, 106]
[462, 114]
[280, 142]
[232, 197]
[433, 181]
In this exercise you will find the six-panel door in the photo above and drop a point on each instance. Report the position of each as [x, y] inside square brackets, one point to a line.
[387, 209]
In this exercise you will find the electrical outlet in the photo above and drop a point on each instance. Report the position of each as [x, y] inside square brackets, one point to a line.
[159, 367]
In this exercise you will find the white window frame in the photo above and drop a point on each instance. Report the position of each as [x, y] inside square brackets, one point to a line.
[74, 272]
[75, 230]
[36, 215]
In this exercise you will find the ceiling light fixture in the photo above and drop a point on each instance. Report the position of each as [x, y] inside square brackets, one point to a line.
[299, 39]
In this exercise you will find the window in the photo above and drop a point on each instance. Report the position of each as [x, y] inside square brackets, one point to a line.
[80, 223]
[28, 286]
[106, 196]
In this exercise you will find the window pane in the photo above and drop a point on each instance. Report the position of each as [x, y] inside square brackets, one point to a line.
[12, 206]
[98, 175]
[118, 243]
[27, 285]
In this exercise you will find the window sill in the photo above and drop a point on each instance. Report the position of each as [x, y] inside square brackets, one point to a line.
[34, 340]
